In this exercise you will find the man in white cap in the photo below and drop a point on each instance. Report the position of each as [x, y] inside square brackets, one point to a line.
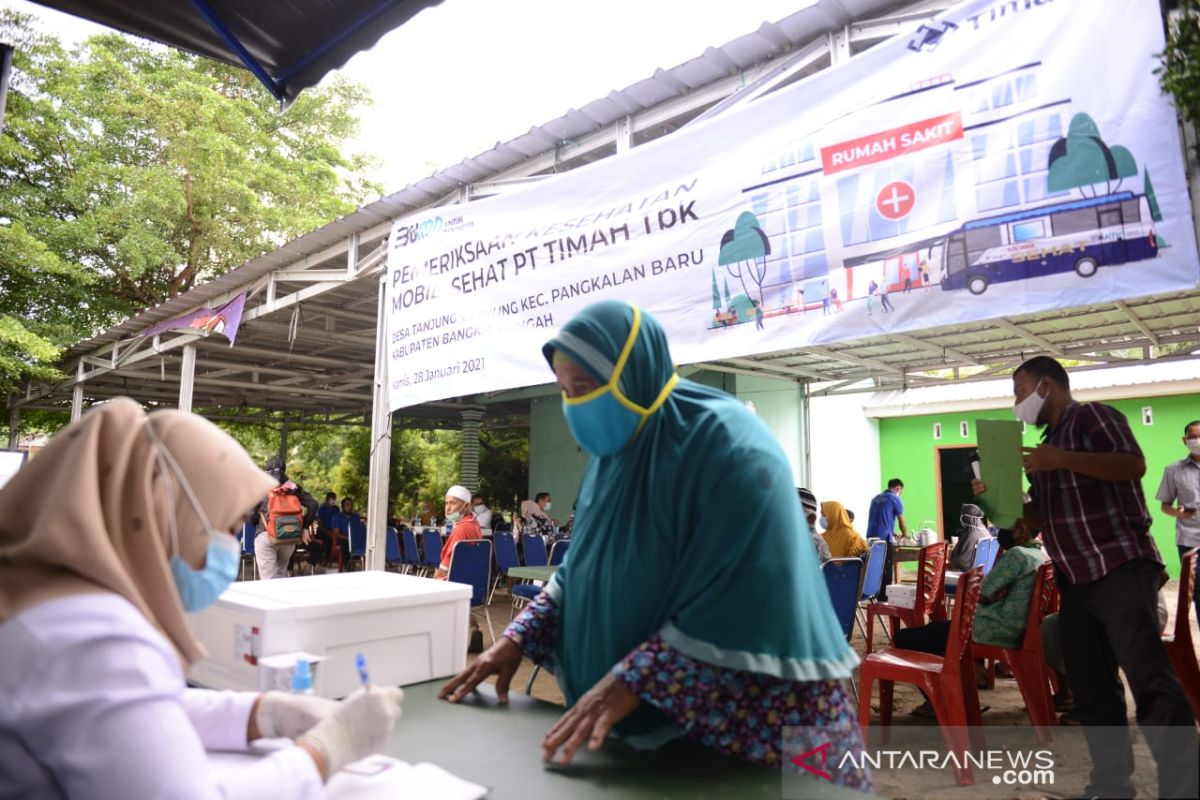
[458, 511]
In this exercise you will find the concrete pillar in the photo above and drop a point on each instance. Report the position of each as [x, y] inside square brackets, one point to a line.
[471, 418]
[187, 377]
[77, 393]
[283, 443]
[381, 443]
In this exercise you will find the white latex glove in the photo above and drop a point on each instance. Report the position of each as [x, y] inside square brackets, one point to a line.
[289, 715]
[358, 728]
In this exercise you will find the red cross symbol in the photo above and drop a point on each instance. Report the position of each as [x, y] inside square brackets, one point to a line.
[896, 200]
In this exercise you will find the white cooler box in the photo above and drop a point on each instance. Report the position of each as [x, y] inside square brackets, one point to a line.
[409, 629]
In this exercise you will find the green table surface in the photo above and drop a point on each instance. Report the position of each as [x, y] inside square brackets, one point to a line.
[499, 746]
[532, 573]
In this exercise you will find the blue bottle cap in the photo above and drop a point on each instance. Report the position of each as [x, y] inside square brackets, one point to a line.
[302, 676]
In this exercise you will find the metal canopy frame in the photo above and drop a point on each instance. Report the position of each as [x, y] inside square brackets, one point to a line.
[307, 347]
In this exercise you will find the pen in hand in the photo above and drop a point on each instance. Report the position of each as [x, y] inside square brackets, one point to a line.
[360, 661]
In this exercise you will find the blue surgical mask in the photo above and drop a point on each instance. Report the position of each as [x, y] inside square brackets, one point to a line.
[824, 523]
[454, 516]
[199, 588]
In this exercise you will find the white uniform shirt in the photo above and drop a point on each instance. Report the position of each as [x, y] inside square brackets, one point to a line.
[93, 704]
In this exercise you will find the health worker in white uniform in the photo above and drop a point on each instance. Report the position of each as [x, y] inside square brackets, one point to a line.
[108, 538]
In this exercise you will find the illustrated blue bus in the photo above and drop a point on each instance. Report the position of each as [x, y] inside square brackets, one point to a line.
[1080, 235]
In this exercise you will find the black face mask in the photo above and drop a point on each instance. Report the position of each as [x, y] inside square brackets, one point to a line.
[1006, 539]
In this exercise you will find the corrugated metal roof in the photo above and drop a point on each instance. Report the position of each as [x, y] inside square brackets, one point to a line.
[769, 40]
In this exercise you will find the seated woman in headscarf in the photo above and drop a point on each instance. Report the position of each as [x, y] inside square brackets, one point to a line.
[841, 538]
[808, 504]
[1003, 610]
[108, 539]
[972, 532]
[655, 635]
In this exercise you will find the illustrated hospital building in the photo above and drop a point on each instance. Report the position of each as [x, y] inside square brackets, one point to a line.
[894, 209]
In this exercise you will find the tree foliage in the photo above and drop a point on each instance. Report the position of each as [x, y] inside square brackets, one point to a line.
[1179, 69]
[130, 172]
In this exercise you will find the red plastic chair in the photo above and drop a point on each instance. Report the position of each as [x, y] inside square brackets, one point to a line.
[1027, 662]
[948, 682]
[931, 581]
[1179, 643]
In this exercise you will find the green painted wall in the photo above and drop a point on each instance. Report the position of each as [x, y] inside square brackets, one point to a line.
[556, 462]
[906, 447]
[780, 404]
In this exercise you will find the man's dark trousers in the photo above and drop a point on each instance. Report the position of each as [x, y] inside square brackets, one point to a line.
[1111, 623]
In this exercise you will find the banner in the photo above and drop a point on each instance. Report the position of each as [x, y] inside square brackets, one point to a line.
[1005, 158]
[223, 320]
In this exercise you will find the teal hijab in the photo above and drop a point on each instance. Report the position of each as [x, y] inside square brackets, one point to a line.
[692, 530]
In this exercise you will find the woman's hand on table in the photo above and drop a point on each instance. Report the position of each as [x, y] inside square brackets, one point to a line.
[501, 660]
[590, 719]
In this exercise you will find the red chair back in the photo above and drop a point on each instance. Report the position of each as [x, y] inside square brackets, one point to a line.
[1187, 589]
[931, 576]
[1043, 601]
[962, 621]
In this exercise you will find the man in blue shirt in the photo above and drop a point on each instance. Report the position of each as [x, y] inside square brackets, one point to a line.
[341, 528]
[886, 511]
[321, 547]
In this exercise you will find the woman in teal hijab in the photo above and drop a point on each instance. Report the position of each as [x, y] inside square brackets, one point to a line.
[690, 602]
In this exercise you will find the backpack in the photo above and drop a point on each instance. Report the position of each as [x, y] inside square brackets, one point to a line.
[285, 515]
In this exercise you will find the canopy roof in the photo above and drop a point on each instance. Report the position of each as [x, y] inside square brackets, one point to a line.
[308, 335]
[288, 46]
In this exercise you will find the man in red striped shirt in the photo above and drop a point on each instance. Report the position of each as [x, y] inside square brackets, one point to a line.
[1086, 497]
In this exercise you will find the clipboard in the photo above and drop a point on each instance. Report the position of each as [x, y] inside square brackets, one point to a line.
[1001, 468]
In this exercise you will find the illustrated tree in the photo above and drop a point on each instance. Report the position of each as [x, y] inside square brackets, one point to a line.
[744, 251]
[727, 300]
[1151, 198]
[1081, 160]
[716, 293]
[130, 172]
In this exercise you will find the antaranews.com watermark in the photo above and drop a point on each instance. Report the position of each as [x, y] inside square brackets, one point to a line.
[1002, 761]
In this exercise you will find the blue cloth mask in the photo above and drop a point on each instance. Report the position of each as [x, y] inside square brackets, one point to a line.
[605, 420]
[199, 588]
[602, 426]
